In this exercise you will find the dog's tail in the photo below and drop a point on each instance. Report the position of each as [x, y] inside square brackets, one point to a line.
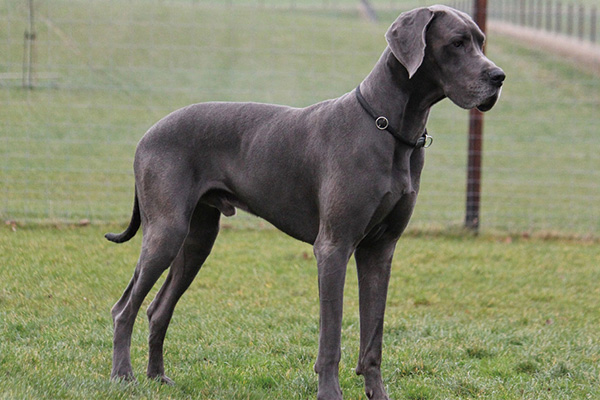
[133, 227]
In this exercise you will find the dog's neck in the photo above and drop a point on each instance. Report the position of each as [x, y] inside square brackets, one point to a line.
[405, 102]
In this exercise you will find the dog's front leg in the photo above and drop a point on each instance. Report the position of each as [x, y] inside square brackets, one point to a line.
[332, 261]
[373, 265]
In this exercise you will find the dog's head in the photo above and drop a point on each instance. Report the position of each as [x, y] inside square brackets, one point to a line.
[445, 45]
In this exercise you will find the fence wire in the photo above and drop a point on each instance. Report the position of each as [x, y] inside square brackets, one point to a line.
[577, 18]
[80, 86]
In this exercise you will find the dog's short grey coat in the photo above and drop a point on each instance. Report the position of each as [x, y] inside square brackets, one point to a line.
[323, 174]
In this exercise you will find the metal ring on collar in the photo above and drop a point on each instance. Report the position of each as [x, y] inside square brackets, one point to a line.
[382, 123]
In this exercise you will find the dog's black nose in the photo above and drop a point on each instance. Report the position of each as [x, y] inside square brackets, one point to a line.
[496, 76]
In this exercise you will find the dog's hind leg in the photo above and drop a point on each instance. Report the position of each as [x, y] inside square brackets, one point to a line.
[161, 243]
[204, 228]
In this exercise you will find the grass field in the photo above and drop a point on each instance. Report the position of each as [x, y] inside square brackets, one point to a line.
[488, 318]
[67, 146]
[495, 317]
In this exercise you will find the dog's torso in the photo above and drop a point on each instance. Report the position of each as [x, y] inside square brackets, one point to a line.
[290, 166]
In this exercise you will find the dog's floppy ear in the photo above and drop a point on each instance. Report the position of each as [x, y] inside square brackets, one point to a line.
[406, 38]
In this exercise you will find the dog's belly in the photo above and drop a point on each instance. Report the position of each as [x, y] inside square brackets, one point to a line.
[296, 219]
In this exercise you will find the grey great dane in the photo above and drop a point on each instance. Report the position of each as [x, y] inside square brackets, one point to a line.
[342, 175]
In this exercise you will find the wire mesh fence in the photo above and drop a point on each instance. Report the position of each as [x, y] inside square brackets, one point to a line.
[101, 73]
[578, 19]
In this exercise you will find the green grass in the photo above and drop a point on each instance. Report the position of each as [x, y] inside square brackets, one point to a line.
[67, 146]
[496, 317]
[490, 318]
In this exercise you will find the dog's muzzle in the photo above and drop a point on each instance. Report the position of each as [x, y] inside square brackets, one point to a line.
[495, 78]
[489, 102]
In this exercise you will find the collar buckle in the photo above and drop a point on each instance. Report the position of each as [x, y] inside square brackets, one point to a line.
[428, 141]
[424, 141]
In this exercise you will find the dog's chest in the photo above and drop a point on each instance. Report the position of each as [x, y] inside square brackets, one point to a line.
[406, 173]
[396, 206]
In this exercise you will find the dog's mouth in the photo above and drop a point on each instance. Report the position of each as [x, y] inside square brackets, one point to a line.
[489, 102]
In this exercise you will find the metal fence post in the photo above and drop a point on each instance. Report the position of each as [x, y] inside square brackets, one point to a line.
[570, 17]
[558, 17]
[549, 15]
[475, 143]
[581, 22]
[593, 24]
[29, 50]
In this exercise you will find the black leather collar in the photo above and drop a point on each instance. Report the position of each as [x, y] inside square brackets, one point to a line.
[382, 123]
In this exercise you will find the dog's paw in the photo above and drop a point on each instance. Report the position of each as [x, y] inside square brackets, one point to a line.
[126, 377]
[165, 380]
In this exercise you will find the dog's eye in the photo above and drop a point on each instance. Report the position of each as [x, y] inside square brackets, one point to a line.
[458, 43]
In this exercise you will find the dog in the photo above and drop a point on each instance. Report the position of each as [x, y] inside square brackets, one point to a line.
[342, 175]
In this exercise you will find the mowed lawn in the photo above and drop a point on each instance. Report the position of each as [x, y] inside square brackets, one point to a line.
[494, 317]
